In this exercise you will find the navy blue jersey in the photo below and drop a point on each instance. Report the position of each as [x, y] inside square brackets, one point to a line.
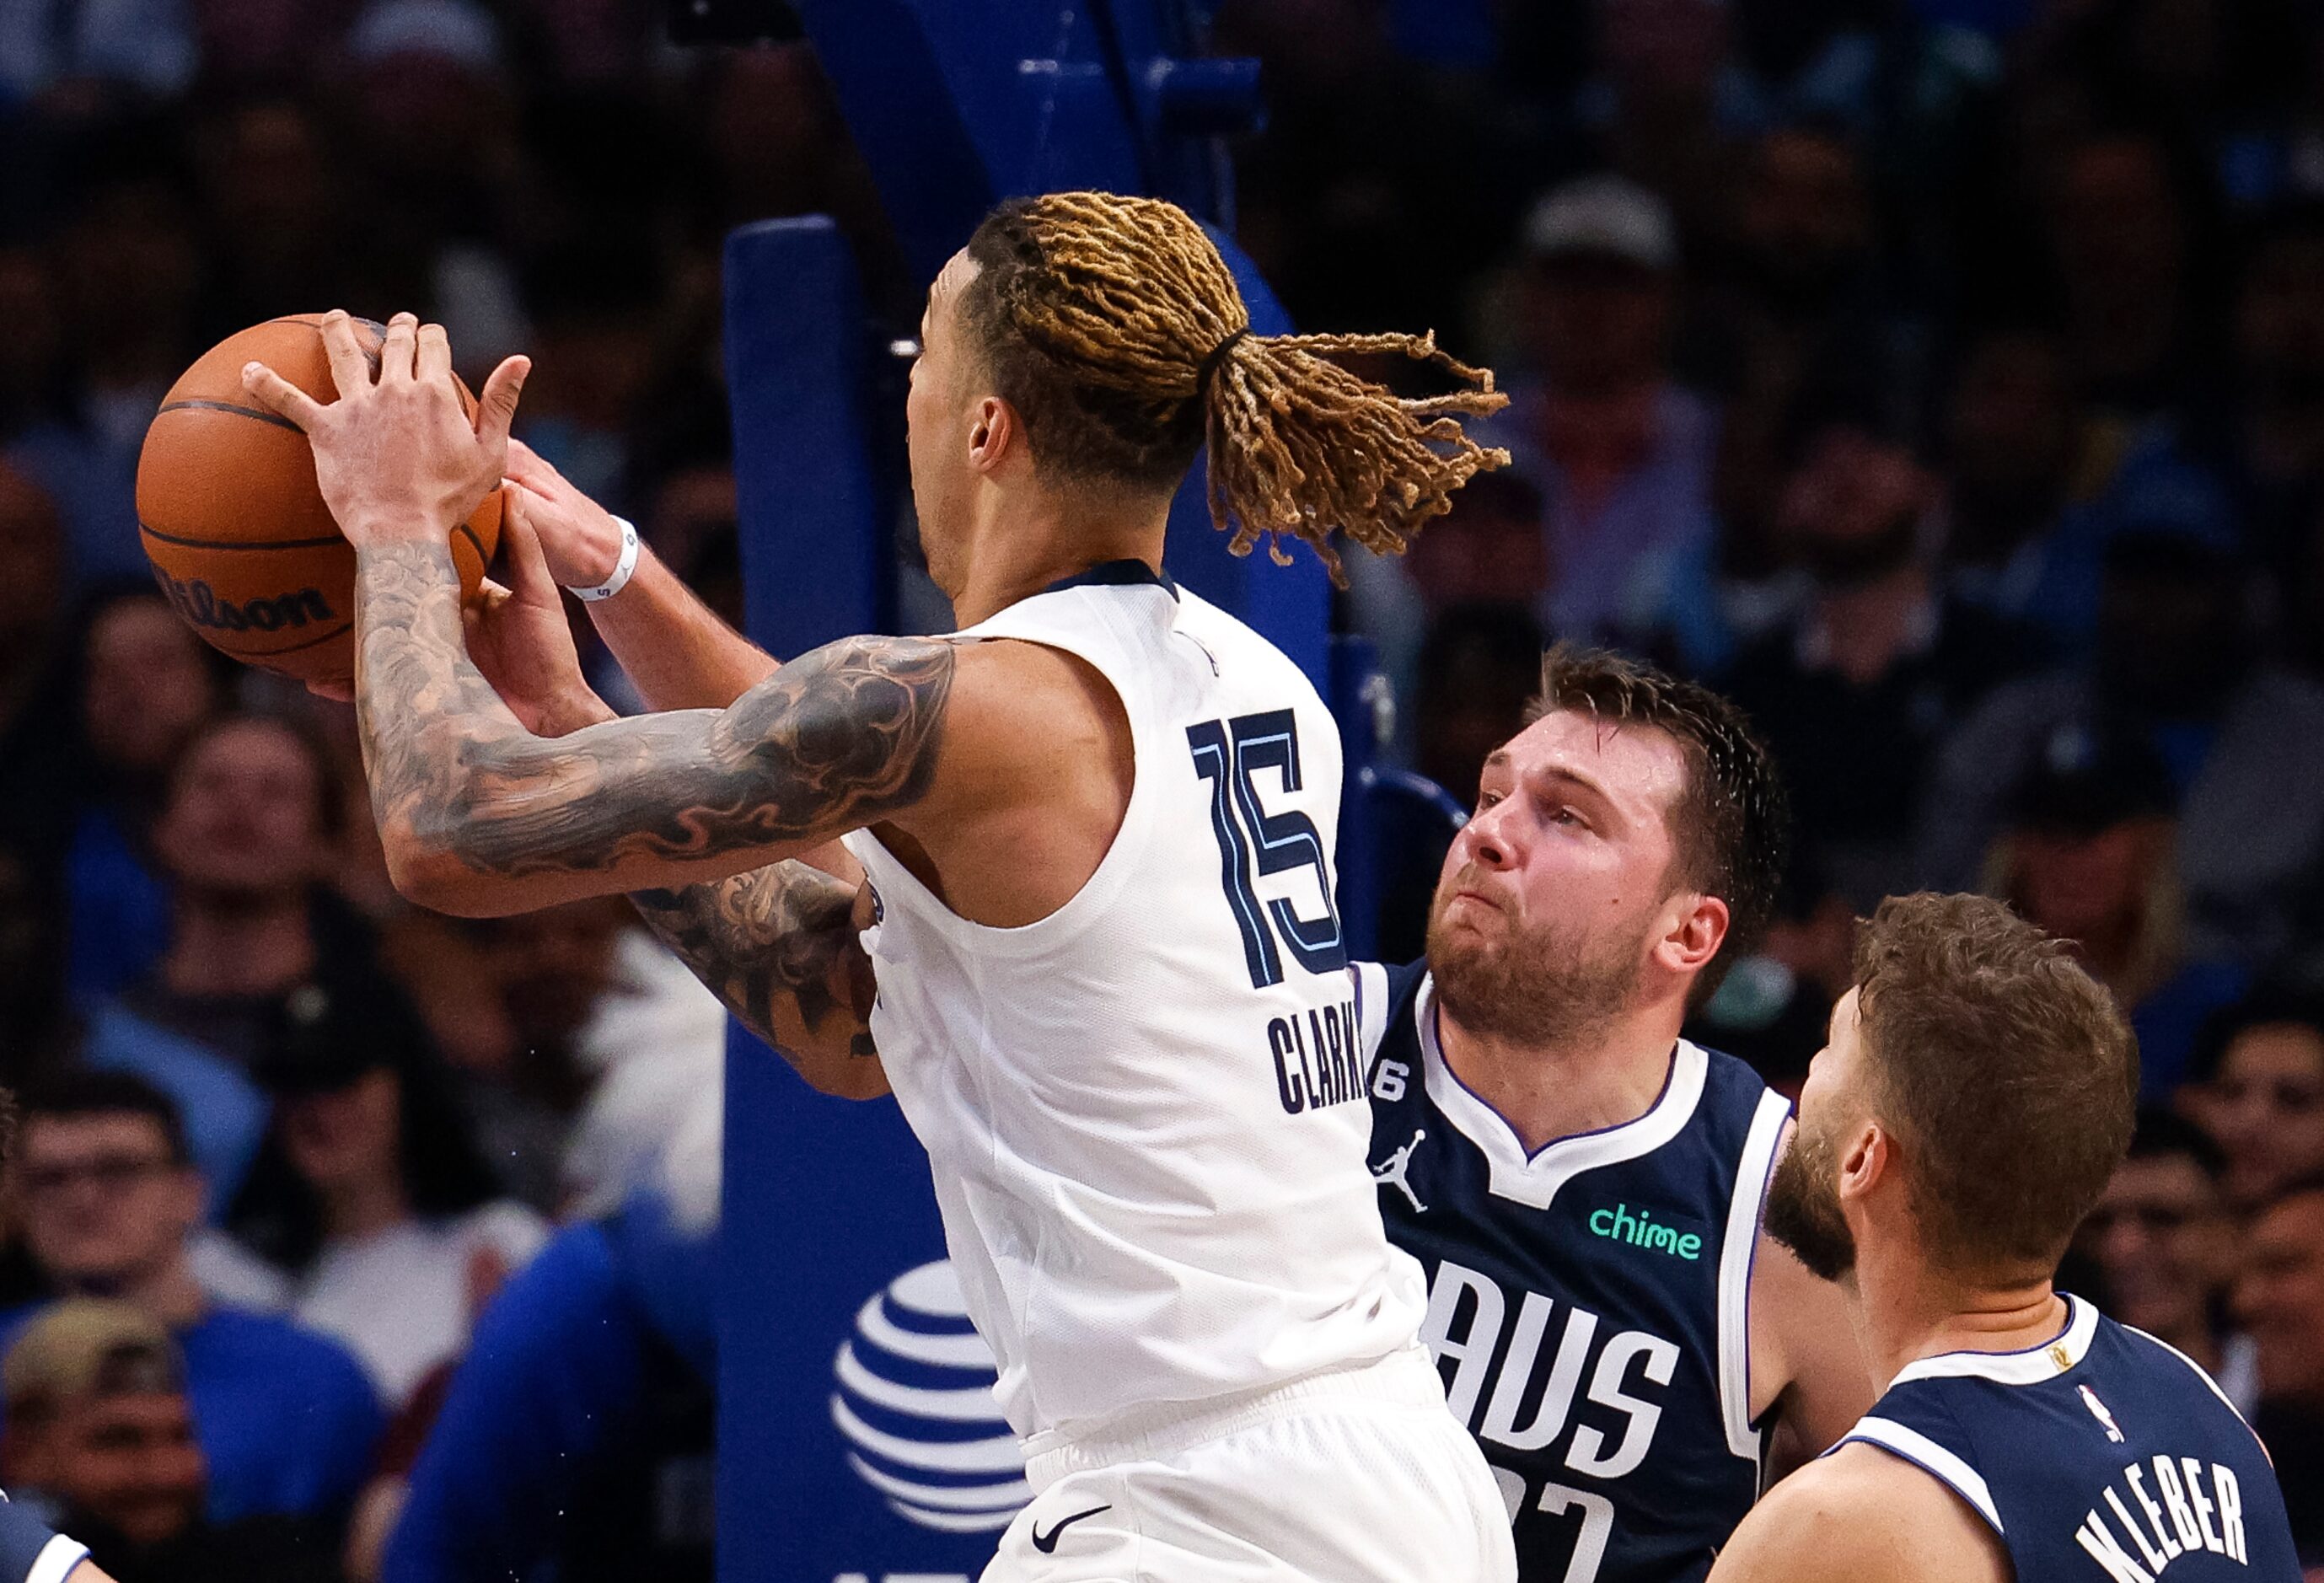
[1588, 1305]
[2103, 1455]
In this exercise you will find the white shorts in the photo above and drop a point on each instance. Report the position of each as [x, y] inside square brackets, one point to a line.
[1360, 1476]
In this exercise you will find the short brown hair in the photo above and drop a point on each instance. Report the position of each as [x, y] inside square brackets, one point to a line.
[1116, 330]
[1732, 824]
[2009, 1075]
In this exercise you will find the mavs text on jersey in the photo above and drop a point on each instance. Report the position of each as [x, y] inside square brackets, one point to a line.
[1587, 1304]
[2104, 1455]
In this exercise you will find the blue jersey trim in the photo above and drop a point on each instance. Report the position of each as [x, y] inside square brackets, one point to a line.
[1121, 573]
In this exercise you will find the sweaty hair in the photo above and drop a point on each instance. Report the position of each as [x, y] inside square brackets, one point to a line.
[1731, 826]
[2007, 1072]
[1114, 329]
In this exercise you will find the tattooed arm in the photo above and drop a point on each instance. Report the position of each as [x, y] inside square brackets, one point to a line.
[480, 816]
[779, 946]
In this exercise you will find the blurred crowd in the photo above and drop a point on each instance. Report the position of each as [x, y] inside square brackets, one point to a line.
[1944, 379]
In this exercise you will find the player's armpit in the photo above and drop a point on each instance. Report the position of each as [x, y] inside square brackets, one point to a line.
[480, 816]
[1857, 1515]
[779, 946]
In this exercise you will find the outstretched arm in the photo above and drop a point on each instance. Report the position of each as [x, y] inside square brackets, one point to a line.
[478, 815]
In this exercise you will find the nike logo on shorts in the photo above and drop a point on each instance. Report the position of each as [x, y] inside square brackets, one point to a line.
[1047, 1543]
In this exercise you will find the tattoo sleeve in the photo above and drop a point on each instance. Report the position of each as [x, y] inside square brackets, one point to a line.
[841, 738]
[778, 945]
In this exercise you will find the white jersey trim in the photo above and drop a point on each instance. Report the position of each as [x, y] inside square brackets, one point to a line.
[1931, 1457]
[2030, 1365]
[1533, 1182]
[57, 1558]
[1738, 1257]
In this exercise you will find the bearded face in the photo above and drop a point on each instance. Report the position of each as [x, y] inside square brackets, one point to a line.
[1804, 1210]
[1531, 981]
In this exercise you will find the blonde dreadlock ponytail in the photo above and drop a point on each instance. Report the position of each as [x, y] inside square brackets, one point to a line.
[1115, 327]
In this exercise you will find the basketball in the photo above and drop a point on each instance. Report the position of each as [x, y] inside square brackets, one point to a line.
[231, 519]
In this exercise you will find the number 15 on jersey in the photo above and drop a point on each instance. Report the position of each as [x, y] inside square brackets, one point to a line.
[1228, 754]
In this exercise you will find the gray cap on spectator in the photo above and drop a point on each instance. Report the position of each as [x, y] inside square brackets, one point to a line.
[1603, 216]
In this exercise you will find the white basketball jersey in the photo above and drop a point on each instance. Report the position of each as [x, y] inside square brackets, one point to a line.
[1146, 1113]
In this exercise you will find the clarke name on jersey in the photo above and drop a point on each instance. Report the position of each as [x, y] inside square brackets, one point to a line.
[1318, 1057]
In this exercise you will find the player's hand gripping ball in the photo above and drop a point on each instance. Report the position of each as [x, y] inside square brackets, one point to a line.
[232, 519]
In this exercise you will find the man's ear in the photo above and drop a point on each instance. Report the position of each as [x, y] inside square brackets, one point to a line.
[1866, 1160]
[1697, 934]
[996, 435]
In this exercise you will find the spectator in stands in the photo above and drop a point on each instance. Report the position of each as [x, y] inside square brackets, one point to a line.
[112, 1207]
[2267, 442]
[1478, 666]
[129, 269]
[1798, 304]
[32, 355]
[2280, 1301]
[1488, 549]
[2086, 854]
[557, 970]
[1620, 452]
[372, 1195]
[2164, 1243]
[1855, 694]
[612, 1322]
[2117, 208]
[34, 1031]
[147, 683]
[2016, 455]
[35, 723]
[2176, 663]
[248, 831]
[99, 1424]
[1774, 1008]
[2258, 1087]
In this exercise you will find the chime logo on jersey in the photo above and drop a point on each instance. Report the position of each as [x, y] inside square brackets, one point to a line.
[1606, 1425]
[1637, 1229]
[915, 1405]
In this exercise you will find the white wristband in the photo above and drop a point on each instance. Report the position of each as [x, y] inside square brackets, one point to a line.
[622, 569]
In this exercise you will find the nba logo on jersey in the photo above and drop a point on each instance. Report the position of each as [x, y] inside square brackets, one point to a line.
[2098, 1410]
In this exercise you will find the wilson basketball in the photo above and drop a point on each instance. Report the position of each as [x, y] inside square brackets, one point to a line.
[230, 516]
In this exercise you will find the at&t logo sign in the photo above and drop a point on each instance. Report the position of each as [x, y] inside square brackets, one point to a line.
[915, 1405]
